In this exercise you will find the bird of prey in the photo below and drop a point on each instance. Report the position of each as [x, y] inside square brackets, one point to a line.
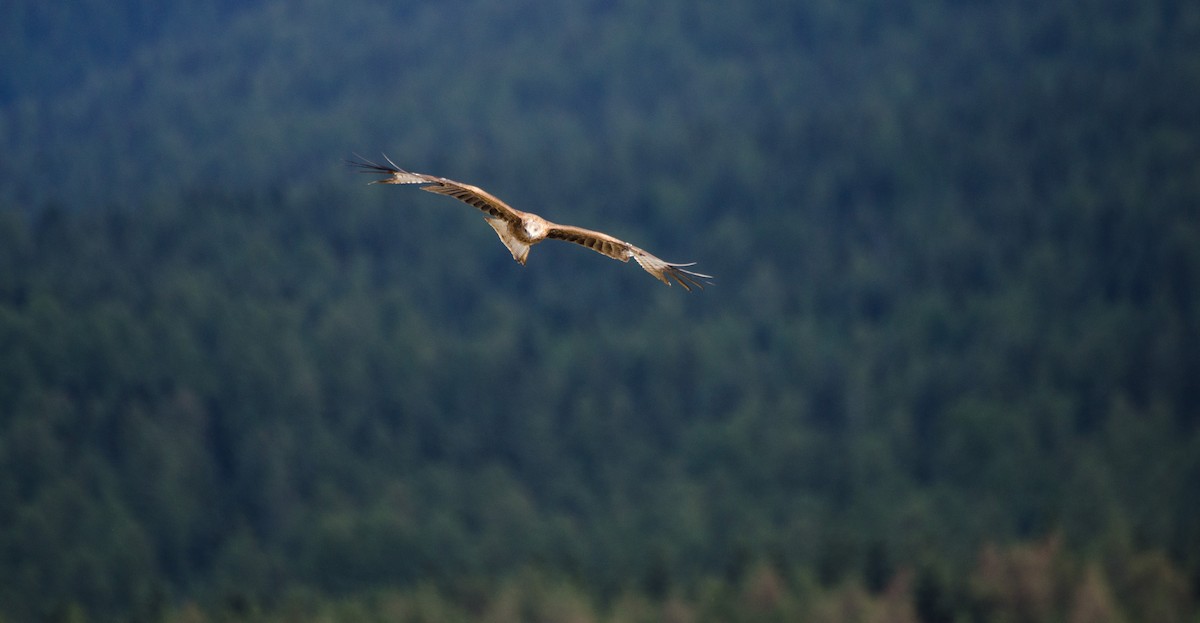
[520, 230]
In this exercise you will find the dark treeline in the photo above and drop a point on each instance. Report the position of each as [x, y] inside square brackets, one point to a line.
[948, 371]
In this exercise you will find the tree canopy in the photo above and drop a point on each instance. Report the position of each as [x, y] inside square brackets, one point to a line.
[948, 371]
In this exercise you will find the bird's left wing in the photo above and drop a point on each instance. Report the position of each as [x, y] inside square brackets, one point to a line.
[620, 250]
[466, 193]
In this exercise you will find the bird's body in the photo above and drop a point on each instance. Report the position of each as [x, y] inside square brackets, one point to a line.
[521, 230]
[518, 237]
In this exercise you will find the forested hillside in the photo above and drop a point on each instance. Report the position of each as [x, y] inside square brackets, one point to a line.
[948, 371]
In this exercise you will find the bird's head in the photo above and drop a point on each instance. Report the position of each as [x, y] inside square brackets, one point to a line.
[535, 228]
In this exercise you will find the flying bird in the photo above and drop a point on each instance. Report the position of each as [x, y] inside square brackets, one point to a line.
[520, 230]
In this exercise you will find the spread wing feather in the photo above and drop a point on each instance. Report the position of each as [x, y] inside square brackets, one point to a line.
[471, 195]
[620, 250]
[474, 196]
[594, 240]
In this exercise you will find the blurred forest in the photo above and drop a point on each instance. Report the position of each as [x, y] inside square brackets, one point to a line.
[948, 371]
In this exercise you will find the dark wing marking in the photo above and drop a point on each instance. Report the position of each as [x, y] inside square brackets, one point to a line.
[599, 242]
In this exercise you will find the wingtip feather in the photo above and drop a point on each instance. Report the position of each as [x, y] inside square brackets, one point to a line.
[394, 174]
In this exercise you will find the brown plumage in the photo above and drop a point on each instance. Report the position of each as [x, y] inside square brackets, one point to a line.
[520, 230]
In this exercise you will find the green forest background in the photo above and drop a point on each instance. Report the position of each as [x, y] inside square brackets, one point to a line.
[949, 371]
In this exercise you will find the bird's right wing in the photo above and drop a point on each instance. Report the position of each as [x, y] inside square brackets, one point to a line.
[466, 193]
